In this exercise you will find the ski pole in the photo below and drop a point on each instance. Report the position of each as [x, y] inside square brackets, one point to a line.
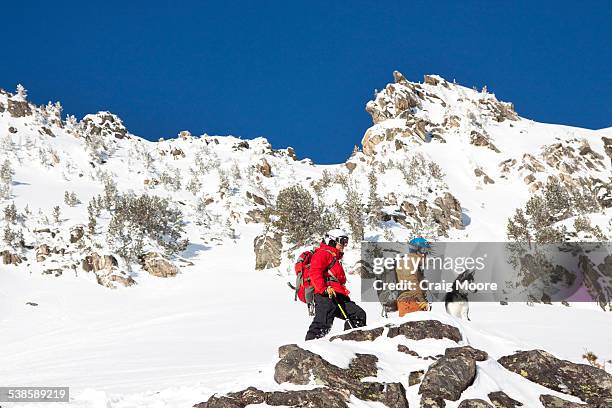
[344, 313]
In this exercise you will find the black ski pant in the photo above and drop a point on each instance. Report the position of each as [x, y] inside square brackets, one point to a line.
[326, 309]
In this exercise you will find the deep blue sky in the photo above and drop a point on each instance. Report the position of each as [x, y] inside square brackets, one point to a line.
[301, 73]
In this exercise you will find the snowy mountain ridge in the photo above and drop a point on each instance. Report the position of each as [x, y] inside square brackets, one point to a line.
[448, 162]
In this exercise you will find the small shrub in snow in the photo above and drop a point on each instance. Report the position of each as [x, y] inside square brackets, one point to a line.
[140, 220]
[9, 236]
[374, 201]
[194, 185]
[10, 213]
[584, 224]
[6, 179]
[352, 210]
[236, 174]
[171, 181]
[71, 199]
[224, 184]
[296, 214]
[56, 214]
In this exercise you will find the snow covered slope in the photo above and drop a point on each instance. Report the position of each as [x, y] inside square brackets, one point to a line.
[440, 160]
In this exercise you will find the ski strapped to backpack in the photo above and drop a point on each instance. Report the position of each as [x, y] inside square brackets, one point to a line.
[303, 286]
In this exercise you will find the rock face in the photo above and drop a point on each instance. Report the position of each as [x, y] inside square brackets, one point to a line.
[76, 234]
[157, 265]
[267, 251]
[425, 329]
[448, 213]
[264, 168]
[501, 400]
[415, 377]
[595, 276]
[105, 267]
[8, 258]
[299, 366]
[608, 146]
[550, 401]
[315, 398]
[468, 351]
[104, 124]
[588, 383]
[448, 377]
[444, 380]
[360, 335]
[19, 109]
[478, 139]
[475, 403]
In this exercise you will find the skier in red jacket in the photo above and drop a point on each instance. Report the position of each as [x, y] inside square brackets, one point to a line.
[328, 278]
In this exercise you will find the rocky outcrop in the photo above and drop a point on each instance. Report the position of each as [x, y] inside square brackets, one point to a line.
[595, 277]
[395, 99]
[76, 233]
[177, 153]
[9, 258]
[299, 366]
[475, 403]
[105, 267]
[415, 377]
[448, 213]
[485, 178]
[256, 199]
[588, 383]
[157, 265]
[468, 351]
[19, 109]
[448, 377]
[501, 400]
[607, 146]
[478, 139]
[264, 168]
[315, 398]
[360, 335]
[185, 135]
[42, 252]
[425, 329]
[268, 248]
[550, 401]
[104, 124]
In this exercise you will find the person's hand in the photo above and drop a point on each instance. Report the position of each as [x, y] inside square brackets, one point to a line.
[330, 292]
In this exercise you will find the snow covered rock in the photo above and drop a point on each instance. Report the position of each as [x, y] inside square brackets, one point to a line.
[105, 267]
[9, 258]
[18, 109]
[268, 250]
[425, 329]
[157, 265]
[586, 382]
[299, 366]
[607, 146]
[104, 124]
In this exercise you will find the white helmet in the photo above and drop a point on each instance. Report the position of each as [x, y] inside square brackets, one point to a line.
[334, 236]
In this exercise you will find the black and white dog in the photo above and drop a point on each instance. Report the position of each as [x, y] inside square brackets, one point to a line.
[456, 301]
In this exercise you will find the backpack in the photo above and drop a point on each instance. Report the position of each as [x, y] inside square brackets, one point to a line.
[303, 287]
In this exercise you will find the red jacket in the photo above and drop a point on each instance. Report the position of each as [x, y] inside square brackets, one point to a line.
[320, 277]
